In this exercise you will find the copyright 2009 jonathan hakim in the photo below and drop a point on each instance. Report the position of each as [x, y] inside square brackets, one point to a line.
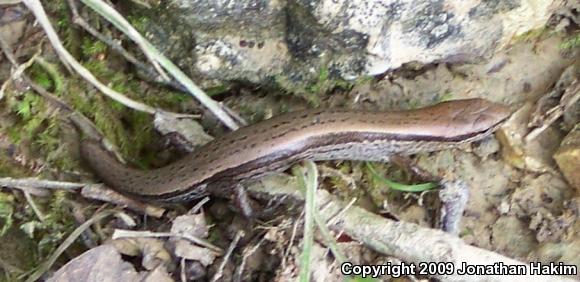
[448, 268]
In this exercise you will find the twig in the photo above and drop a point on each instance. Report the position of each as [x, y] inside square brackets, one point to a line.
[245, 254]
[36, 8]
[198, 206]
[88, 236]
[570, 98]
[9, 2]
[88, 128]
[151, 52]
[82, 123]
[120, 233]
[77, 19]
[39, 183]
[19, 69]
[227, 256]
[182, 274]
[234, 115]
[39, 192]
[338, 215]
[99, 192]
[291, 241]
[15, 75]
[41, 91]
[67, 242]
[32, 204]
[79, 120]
[7, 50]
[127, 219]
[400, 239]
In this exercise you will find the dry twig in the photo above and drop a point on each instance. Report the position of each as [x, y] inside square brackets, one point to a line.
[99, 192]
[39, 183]
[404, 240]
[226, 258]
[570, 98]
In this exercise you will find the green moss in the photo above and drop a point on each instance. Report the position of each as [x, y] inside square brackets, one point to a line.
[113, 119]
[41, 77]
[93, 48]
[99, 69]
[25, 239]
[49, 72]
[447, 96]
[466, 232]
[531, 35]
[339, 183]
[24, 108]
[571, 42]
[130, 130]
[60, 15]
[216, 90]
[363, 79]
[57, 224]
[10, 168]
[139, 23]
[322, 84]
[40, 124]
[325, 83]
[6, 212]
[107, 121]
[18, 252]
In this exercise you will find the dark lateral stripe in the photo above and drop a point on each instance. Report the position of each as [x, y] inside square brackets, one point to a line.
[285, 158]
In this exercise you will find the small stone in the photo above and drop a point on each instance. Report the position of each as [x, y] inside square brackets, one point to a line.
[512, 237]
[568, 157]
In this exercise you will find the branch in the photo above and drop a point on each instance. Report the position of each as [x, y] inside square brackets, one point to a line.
[39, 183]
[407, 241]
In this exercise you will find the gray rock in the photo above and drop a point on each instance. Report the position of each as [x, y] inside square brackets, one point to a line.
[299, 43]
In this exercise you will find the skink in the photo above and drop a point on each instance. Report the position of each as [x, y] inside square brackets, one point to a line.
[318, 134]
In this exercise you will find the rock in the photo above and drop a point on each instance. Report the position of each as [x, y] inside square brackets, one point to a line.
[183, 132]
[512, 237]
[535, 155]
[187, 250]
[296, 44]
[535, 194]
[568, 157]
[190, 225]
